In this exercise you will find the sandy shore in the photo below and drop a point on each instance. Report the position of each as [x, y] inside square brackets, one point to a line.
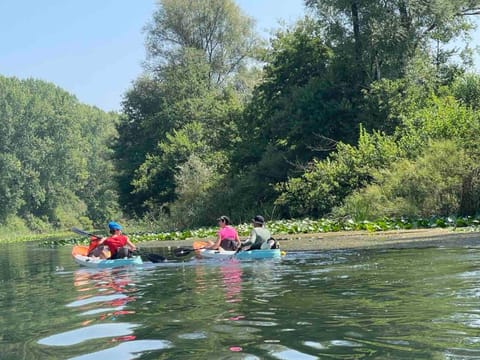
[420, 238]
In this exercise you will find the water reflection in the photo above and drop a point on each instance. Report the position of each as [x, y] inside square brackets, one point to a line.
[284, 353]
[103, 303]
[102, 296]
[104, 292]
[232, 280]
[410, 304]
[86, 333]
[230, 272]
[126, 351]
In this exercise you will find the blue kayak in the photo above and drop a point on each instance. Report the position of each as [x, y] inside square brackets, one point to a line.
[79, 255]
[241, 255]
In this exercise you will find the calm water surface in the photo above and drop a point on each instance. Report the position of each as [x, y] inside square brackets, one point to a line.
[389, 304]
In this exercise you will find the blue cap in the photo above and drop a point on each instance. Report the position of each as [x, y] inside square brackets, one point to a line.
[112, 225]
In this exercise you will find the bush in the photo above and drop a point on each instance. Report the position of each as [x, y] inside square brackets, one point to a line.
[466, 89]
[430, 185]
[327, 183]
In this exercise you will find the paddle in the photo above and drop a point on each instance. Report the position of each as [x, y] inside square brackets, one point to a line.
[84, 233]
[154, 258]
[184, 251]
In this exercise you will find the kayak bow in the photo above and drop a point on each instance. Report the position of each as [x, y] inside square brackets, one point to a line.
[79, 253]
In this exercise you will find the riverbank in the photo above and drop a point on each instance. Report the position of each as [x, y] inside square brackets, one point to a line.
[419, 238]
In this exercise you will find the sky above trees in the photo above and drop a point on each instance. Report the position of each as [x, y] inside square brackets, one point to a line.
[95, 49]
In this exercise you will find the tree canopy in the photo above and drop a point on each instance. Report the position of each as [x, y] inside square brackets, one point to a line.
[361, 109]
[54, 155]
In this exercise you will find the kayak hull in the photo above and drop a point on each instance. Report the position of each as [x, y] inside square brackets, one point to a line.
[79, 255]
[242, 255]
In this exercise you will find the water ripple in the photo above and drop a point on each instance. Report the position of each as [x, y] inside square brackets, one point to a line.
[127, 350]
[95, 299]
[285, 353]
[86, 333]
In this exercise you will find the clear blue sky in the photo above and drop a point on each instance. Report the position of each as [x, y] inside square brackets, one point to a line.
[94, 48]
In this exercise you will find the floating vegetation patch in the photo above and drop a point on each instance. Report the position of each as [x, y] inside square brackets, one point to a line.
[303, 226]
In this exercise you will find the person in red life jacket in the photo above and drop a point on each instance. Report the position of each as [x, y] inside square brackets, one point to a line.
[97, 251]
[120, 245]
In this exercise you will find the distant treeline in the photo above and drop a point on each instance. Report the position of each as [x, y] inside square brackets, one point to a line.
[361, 109]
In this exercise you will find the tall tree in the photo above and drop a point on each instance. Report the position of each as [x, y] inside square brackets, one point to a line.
[381, 36]
[216, 27]
[197, 54]
[53, 153]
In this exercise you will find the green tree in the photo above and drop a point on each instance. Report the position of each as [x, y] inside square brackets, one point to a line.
[301, 108]
[381, 70]
[196, 182]
[215, 27]
[198, 55]
[427, 167]
[156, 178]
[467, 90]
[157, 104]
[11, 186]
[51, 147]
[380, 37]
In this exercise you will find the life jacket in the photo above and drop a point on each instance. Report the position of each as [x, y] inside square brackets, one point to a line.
[115, 242]
[93, 243]
[229, 244]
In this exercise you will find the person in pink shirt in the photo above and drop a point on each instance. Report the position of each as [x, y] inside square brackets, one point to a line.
[227, 236]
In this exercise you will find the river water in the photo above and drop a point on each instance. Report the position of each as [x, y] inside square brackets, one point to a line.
[376, 304]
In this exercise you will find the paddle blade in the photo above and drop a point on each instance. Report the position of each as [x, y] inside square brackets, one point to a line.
[155, 258]
[80, 250]
[197, 245]
[182, 251]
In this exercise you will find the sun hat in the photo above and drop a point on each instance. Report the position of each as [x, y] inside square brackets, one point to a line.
[258, 220]
[112, 225]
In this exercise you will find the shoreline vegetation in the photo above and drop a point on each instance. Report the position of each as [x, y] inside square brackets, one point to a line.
[344, 240]
[304, 235]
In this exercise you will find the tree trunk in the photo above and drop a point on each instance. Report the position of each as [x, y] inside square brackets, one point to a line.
[470, 197]
[358, 41]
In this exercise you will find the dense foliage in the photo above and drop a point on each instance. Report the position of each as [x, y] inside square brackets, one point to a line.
[361, 111]
[54, 158]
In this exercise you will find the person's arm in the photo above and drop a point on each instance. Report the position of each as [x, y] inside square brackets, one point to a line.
[131, 245]
[215, 245]
[250, 239]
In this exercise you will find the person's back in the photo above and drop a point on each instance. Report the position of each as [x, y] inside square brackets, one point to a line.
[116, 242]
[261, 236]
[228, 232]
[120, 245]
[95, 250]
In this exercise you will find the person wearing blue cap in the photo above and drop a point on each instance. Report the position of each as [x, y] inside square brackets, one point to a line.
[119, 244]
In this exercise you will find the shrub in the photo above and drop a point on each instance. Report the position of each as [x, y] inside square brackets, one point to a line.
[430, 185]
